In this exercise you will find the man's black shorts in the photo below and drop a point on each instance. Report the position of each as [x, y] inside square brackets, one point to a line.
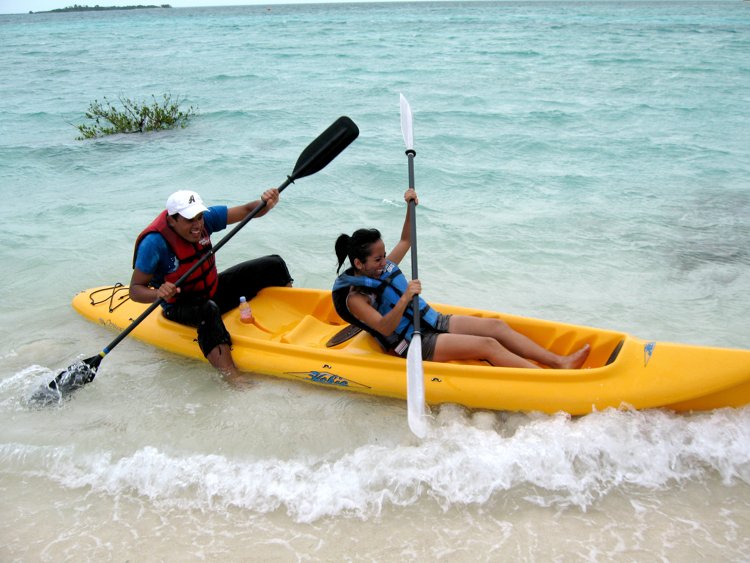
[247, 279]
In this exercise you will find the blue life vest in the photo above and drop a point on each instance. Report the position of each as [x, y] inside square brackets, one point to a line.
[387, 289]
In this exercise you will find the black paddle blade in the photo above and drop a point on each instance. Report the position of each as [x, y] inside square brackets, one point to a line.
[66, 381]
[346, 333]
[325, 148]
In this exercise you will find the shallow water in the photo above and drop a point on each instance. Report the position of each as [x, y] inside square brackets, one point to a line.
[583, 162]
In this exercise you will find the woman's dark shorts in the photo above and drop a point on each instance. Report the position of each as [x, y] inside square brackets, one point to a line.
[429, 336]
[245, 279]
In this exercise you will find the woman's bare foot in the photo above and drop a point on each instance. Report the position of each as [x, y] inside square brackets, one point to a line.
[576, 359]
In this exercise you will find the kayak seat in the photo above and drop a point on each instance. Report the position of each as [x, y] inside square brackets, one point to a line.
[310, 331]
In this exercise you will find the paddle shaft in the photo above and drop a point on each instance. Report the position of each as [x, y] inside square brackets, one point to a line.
[410, 154]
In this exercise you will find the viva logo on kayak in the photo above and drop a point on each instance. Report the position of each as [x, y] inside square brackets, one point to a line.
[326, 378]
[648, 351]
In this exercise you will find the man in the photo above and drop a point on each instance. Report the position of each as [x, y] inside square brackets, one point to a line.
[174, 242]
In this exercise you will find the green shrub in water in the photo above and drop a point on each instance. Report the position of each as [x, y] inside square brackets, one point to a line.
[133, 117]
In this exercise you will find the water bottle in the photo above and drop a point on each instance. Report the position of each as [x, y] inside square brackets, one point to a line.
[246, 315]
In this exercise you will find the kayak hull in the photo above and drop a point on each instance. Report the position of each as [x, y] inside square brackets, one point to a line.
[292, 326]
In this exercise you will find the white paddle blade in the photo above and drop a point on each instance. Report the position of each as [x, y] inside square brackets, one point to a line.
[415, 388]
[406, 123]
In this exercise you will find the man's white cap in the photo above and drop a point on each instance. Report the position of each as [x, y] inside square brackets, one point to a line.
[186, 203]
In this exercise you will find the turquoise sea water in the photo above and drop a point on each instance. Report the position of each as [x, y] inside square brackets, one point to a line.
[580, 161]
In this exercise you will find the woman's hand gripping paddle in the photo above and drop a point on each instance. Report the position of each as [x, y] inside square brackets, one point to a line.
[414, 372]
[313, 159]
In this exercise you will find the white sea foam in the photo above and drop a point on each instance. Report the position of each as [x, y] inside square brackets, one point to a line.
[567, 462]
[22, 376]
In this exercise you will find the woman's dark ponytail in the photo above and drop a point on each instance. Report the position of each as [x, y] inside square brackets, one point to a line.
[342, 249]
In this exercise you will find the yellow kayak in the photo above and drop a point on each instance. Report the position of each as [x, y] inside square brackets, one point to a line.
[292, 326]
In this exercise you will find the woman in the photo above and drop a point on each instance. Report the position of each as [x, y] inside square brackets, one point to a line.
[374, 295]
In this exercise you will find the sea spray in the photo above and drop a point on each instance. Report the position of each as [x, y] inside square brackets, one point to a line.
[570, 463]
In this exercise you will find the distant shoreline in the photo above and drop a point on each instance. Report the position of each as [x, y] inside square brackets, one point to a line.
[97, 8]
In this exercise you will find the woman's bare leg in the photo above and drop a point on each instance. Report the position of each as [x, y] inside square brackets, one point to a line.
[516, 342]
[451, 346]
